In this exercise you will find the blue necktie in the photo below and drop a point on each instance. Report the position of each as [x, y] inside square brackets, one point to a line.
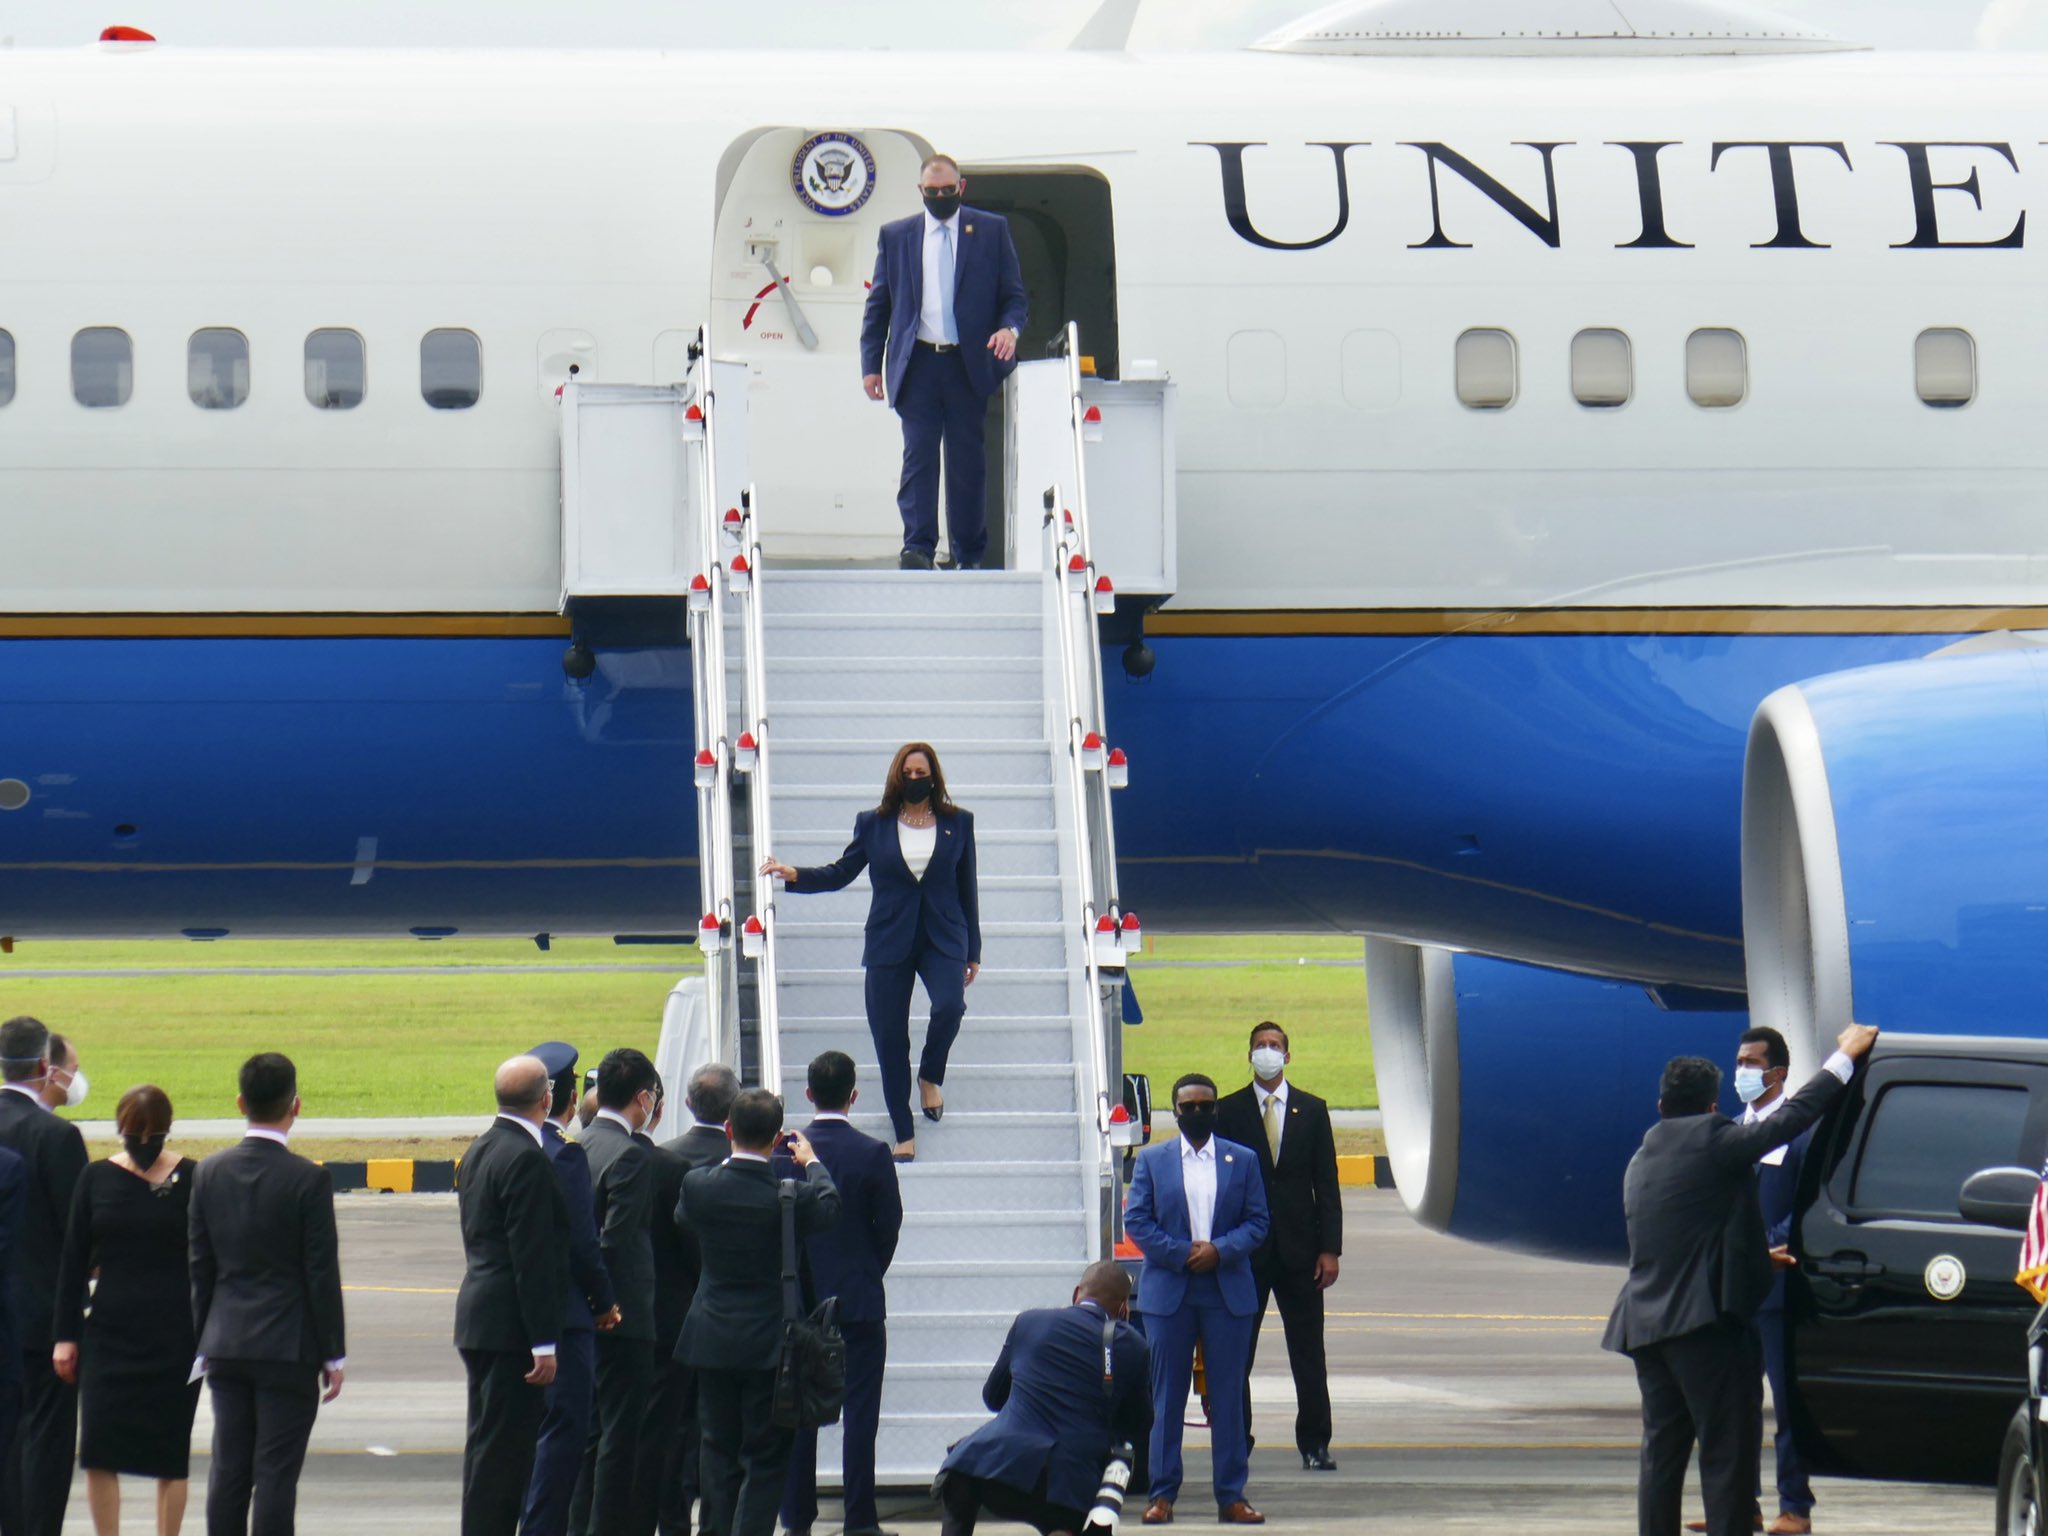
[947, 323]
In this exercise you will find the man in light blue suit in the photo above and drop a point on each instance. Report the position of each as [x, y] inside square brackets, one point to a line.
[1197, 1209]
[937, 339]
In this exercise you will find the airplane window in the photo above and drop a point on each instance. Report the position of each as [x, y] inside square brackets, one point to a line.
[6, 367]
[1603, 371]
[1486, 370]
[217, 369]
[1716, 368]
[1945, 367]
[451, 369]
[335, 375]
[102, 367]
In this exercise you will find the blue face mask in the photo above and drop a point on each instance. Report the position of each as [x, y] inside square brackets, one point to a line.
[1749, 1084]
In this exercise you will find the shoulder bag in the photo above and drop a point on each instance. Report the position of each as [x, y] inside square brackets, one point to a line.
[810, 1378]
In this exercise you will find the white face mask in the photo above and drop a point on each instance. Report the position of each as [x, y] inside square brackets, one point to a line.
[74, 1092]
[1268, 1061]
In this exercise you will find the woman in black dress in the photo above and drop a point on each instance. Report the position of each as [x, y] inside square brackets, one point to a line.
[128, 1341]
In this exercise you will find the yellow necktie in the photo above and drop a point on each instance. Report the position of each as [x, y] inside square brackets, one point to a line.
[1273, 1125]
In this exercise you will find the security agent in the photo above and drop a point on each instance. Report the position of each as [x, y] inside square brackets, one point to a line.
[591, 1309]
[35, 1466]
[946, 306]
[1289, 1128]
[515, 1286]
[1699, 1267]
[1071, 1383]
[623, 1177]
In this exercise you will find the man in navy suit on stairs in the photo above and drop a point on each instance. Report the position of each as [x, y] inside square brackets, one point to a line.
[848, 1261]
[945, 308]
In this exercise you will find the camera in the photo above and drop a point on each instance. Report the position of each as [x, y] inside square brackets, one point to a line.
[1109, 1498]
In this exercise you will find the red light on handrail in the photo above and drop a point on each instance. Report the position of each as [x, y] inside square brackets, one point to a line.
[694, 413]
[119, 34]
[1092, 417]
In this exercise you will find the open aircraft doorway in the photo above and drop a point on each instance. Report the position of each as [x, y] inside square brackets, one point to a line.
[800, 212]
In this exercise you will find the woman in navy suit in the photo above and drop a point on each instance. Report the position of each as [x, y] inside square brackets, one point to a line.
[923, 923]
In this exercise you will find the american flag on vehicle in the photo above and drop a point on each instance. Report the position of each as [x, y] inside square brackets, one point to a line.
[2033, 1275]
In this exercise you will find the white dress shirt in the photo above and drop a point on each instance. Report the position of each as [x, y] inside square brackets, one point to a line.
[268, 1133]
[616, 1119]
[937, 310]
[1265, 1095]
[1198, 1180]
[917, 844]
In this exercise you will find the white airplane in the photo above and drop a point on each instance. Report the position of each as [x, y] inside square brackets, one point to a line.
[1553, 391]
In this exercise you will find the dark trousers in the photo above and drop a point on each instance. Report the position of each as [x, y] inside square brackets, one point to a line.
[867, 1351]
[603, 1499]
[888, 999]
[35, 1471]
[681, 1472]
[1795, 1493]
[1301, 1318]
[962, 1499]
[503, 1430]
[263, 1412]
[940, 407]
[564, 1430]
[746, 1456]
[1226, 1341]
[658, 1502]
[1702, 1386]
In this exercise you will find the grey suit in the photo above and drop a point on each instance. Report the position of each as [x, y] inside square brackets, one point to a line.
[1699, 1266]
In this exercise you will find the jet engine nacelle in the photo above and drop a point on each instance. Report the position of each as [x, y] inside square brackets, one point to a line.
[1513, 1096]
[1895, 848]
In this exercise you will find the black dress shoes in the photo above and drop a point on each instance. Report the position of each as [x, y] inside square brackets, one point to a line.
[1317, 1461]
[861, 1530]
[913, 560]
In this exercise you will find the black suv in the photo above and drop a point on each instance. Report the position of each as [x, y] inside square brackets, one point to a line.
[1909, 1338]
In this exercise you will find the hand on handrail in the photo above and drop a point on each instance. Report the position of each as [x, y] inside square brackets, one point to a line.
[782, 872]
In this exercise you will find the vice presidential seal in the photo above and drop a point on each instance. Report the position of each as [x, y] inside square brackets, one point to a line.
[1945, 1276]
[833, 173]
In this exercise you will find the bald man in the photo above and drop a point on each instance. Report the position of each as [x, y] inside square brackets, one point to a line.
[515, 1239]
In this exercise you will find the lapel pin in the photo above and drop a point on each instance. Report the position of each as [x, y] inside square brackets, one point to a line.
[970, 229]
[1228, 1158]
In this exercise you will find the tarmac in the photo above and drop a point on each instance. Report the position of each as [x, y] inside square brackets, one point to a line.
[1469, 1387]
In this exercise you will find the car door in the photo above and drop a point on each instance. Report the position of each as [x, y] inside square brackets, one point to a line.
[1908, 1333]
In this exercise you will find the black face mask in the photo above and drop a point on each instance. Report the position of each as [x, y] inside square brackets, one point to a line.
[917, 791]
[1197, 1121]
[942, 205]
[144, 1150]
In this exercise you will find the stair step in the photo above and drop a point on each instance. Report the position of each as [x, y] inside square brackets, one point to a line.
[970, 1086]
[843, 991]
[989, 1284]
[821, 808]
[898, 592]
[1020, 721]
[906, 635]
[1004, 899]
[934, 1337]
[968, 764]
[1019, 1184]
[829, 946]
[962, 1235]
[980, 1135]
[996, 1041]
[997, 851]
[929, 682]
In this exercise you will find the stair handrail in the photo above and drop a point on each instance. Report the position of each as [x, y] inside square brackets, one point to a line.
[760, 810]
[715, 853]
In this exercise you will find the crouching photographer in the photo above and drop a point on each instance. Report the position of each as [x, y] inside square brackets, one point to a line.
[1072, 1392]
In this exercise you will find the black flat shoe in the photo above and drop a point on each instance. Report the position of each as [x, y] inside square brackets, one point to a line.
[1317, 1461]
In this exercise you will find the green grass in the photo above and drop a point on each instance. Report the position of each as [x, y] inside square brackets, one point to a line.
[382, 1044]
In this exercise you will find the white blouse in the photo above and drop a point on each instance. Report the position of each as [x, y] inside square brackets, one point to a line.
[917, 844]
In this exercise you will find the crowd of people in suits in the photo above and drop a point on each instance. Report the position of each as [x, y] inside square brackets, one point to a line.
[131, 1280]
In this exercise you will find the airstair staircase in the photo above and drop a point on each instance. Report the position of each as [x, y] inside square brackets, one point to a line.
[808, 682]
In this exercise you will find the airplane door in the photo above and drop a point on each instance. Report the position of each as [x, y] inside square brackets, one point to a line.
[1903, 1314]
[799, 214]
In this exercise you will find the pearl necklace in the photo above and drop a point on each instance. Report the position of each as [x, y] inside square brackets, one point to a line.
[910, 820]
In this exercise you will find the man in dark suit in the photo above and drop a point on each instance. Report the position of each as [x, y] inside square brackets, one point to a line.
[848, 1261]
[623, 1176]
[592, 1308]
[1197, 1209]
[266, 1305]
[35, 1472]
[1699, 1267]
[1289, 1129]
[14, 1192]
[1071, 1384]
[938, 338]
[515, 1285]
[733, 1335]
[669, 1451]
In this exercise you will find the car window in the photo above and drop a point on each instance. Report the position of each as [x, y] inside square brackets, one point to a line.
[1926, 1138]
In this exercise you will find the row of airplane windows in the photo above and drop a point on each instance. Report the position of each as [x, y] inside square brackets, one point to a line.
[1487, 368]
[217, 368]
[1603, 373]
